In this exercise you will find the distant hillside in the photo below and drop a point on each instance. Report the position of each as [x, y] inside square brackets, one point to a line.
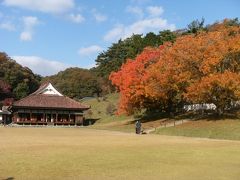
[16, 81]
[76, 83]
[104, 108]
[103, 113]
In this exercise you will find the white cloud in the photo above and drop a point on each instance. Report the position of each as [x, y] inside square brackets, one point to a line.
[155, 10]
[135, 10]
[98, 16]
[47, 6]
[152, 22]
[139, 27]
[76, 18]
[146, 25]
[26, 36]
[114, 34]
[40, 65]
[29, 23]
[6, 22]
[87, 51]
[7, 26]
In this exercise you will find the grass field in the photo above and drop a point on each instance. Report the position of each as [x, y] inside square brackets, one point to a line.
[99, 109]
[82, 153]
[114, 122]
[215, 129]
[219, 129]
[106, 121]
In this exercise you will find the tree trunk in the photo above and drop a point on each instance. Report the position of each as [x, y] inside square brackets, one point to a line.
[219, 111]
[169, 107]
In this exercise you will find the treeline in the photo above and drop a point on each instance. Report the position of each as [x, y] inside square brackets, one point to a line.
[76, 83]
[15, 81]
[117, 54]
[200, 67]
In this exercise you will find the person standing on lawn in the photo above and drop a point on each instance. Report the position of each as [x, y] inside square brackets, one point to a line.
[138, 126]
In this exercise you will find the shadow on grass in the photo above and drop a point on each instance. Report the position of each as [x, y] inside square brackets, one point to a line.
[8, 178]
[149, 117]
[90, 121]
[191, 115]
[208, 115]
[153, 116]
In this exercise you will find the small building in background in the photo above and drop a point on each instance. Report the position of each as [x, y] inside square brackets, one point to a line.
[47, 106]
[196, 107]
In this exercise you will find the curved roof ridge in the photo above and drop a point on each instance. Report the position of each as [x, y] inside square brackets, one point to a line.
[47, 88]
[42, 86]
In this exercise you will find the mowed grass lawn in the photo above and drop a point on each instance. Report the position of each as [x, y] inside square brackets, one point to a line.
[82, 153]
[218, 129]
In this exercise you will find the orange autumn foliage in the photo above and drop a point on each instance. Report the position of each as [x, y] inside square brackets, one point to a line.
[220, 88]
[202, 68]
[130, 80]
[190, 59]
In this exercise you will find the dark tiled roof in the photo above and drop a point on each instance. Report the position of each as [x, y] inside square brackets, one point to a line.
[49, 101]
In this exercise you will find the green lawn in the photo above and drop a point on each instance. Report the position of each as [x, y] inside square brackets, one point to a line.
[219, 129]
[99, 109]
[106, 121]
[82, 153]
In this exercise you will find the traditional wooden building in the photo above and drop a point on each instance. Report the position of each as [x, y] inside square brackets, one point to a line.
[47, 106]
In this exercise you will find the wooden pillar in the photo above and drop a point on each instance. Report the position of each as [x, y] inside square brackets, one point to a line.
[30, 116]
[15, 117]
[56, 117]
[4, 119]
[75, 120]
[69, 120]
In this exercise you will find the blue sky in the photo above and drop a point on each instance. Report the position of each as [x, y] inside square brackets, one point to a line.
[51, 35]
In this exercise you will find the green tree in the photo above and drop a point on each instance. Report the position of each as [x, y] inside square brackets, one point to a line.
[116, 55]
[196, 26]
[22, 90]
[166, 36]
[76, 83]
[13, 74]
